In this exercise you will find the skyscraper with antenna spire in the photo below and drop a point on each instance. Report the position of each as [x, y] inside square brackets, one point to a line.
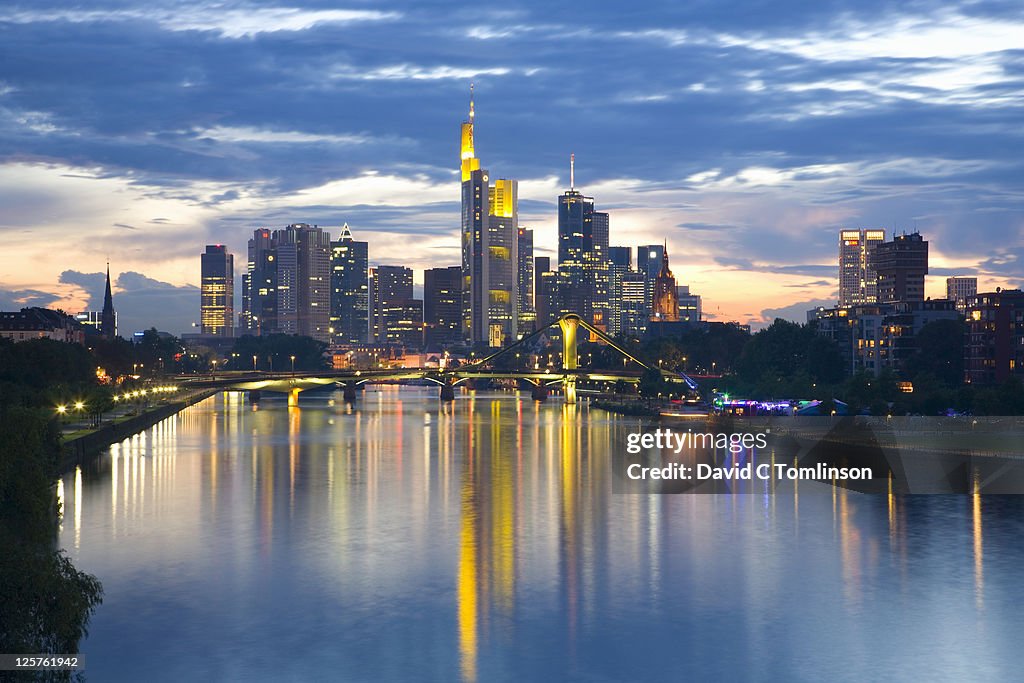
[582, 254]
[490, 227]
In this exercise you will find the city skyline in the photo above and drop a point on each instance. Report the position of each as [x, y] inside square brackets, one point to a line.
[874, 119]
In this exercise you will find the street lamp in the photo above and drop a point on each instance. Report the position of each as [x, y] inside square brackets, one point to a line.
[293, 364]
[254, 362]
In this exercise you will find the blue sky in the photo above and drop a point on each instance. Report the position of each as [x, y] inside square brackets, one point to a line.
[746, 134]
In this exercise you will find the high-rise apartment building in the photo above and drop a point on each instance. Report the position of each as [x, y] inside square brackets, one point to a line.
[442, 305]
[857, 280]
[288, 282]
[217, 292]
[490, 234]
[900, 267]
[995, 337]
[960, 289]
[349, 289]
[527, 312]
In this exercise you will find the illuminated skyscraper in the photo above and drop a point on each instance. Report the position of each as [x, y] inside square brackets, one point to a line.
[620, 262]
[648, 263]
[583, 254]
[490, 231]
[527, 313]
[288, 282]
[349, 293]
[395, 317]
[217, 292]
[857, 280]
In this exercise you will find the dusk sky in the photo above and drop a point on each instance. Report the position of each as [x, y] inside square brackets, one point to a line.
[745, 133]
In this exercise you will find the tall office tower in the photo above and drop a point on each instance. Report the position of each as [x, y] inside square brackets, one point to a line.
[666, 297]
[303, 281]
[490, 234]
[689, 304]
[545, 291]
[960, 289]
[349, 289]
[217, 292]
[527, 311]
[288, 282]
[392, 307]
[108, 317]
[900, 267]
[582, 254]
[259, 285]
[442, 305]
[857, 280]
[648, 263]
[620, 262]
[634, 312]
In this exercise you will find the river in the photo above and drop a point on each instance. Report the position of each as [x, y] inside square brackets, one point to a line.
[481, 540]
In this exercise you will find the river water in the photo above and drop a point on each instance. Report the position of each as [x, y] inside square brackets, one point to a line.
[405, 539]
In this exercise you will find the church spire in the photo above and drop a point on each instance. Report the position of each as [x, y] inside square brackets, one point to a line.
[108, 318]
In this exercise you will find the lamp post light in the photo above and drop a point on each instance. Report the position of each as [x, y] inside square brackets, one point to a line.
[254, 362]
[293, 364]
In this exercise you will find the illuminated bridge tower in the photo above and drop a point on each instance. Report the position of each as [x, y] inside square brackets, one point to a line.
[490, 225]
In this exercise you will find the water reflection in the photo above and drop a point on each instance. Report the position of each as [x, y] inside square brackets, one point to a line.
[403, 539]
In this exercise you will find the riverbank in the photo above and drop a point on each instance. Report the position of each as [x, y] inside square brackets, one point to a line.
[81, 449]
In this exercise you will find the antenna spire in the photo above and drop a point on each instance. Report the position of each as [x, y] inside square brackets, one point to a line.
[472, 113]
[572, 172]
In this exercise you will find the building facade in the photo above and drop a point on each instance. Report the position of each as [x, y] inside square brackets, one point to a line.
[960, 289]
[665, 306]
[395, 317]
[349, 289]
[40, 323]
[900, 267]
[217, 292]
[442, 306]
[527, 312]
[583, 256]
[857, 279]
[994, 350]
[490, 251]
[287, 285]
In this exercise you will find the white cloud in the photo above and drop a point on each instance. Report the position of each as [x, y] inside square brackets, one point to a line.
[230, 23]
[407, 72]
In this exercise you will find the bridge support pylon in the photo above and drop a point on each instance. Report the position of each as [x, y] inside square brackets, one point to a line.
[569, 386]
[293, 398]
[348, 392]
[447, 391]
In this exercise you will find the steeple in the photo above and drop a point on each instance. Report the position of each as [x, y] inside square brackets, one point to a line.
[108, 318]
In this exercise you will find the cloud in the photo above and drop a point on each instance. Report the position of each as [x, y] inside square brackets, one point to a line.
[16, 299]
[141, 302]
[229, 23]
[796, 312]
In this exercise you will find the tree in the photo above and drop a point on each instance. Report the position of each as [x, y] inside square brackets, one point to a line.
[939, 353]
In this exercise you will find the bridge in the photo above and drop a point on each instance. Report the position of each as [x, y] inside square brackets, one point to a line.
[566, 378]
